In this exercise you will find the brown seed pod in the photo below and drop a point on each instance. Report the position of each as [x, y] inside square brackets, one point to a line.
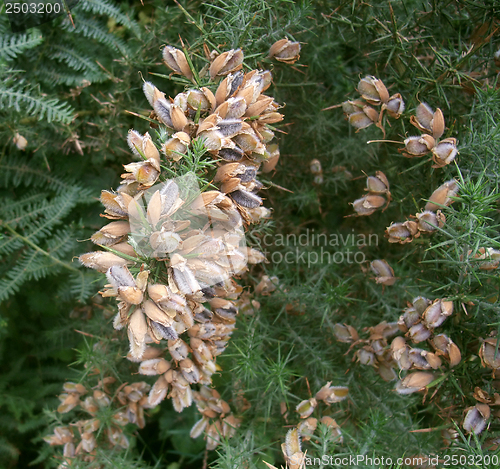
[442, 195]
[384, 273]
[488, 353]
[226, 62]
[444, 152]
[418, 146]
[368, 204]
[414, 382]
[395, 106]
[285, 51]
[402, 233]
[176, 61]
[476, 418]
[373, 90]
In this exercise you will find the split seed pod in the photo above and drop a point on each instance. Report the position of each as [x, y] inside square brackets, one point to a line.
[227, 62]
[285, 51]
[176, 61]
[373, 90]
[384, 273]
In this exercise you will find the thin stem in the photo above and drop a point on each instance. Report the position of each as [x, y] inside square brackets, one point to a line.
[39, 249]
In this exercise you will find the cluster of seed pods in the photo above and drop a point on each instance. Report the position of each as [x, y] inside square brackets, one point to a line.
[304, 430]
[378, 195]
[418, 322]
[171, 250]
[82, 437]
[427, 221]
[361, 114]
[432, 124]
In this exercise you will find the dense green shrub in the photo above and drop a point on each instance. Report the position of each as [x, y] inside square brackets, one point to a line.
[73, 94]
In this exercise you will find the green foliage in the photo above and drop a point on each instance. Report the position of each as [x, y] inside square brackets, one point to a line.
[67, 90]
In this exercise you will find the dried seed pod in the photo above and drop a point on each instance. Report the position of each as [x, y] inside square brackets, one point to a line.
[307, 428]
[345, 333]
[378, 184]
[111, 233]
[437, 313]
[102, 261]
[229, 87]
[176, 146]
[366, 356]
[476, 418]
[423, 118]
[444, 152]
[383, 272]
[419, 333]
[489, 257]
[294, 457]
[226, 62]
[332, 394]
[137, 330]
[442, 195]
[423, 360]
[489, 354]
[266, 285]
[414, 382]
[272, 161]
[285, 51]
[373, 90]
[395, 106]
[334, 427]
[446, 347]
[368, 204]
[402, 233]
[20, 142]
[418, 146]
[306, 408]
[429, 222]
[154, 366]
[359, 114]
[401, 353]
[408, 319]
[176, 61]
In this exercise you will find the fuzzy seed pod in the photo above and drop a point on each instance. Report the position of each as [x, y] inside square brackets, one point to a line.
[402, 233]
[418, 146]
[429, 222]
[306, 408]
[476, 418]
[444, 152]
[395, 106]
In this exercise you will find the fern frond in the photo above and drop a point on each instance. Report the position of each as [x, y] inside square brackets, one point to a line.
[74, 59]
[104, 7]
[51, 74]
[89, 27]
[17, 171]
[22, 100]
[58, 208]
[82, 286]
[21, 212]
[15, 277]
[13, 45]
